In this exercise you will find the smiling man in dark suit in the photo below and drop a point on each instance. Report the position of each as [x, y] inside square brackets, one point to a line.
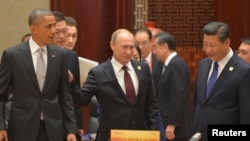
[42, 107]
[227, 102]
[107, 82]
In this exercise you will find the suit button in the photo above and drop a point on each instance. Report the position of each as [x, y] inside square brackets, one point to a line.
[133, 122]
[203, 106]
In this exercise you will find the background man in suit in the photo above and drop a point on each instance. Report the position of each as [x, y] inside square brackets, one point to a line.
[172, 91]
[72, 33]
[228, 100]
[26, 37]
[60, 37]
[107, 83]
[244, 49]
[143, 39]
[38, 113]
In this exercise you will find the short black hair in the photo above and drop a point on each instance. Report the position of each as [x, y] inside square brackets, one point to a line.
[145, 30]
[59, 16]
[166, 38]
[139, 51]
[70, 21]
[217, 28]
[246, 40]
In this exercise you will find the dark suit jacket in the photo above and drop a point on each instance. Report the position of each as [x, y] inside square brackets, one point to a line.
[156, 70]
[228, 101]
[173, 96]
[117, 112]
[73, 66]
[55, 101]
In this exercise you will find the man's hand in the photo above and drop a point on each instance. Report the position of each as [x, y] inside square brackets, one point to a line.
[170, 132]
[80, 132]
[71, 137]
[71, 77]
[3, 135]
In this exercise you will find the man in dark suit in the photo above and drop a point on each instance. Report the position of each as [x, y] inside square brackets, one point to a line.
[228, 100]
[244, 49]
[59, 39]
[143, 39]
[42, 109]
[107, 83]
[172, 91]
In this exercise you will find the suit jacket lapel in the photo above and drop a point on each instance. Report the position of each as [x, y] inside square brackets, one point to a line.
[204, 72]
[228, 70]
[50, 65]
[110, 74]
[28, 63]
[138, 71]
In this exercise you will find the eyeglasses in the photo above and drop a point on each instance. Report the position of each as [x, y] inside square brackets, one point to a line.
[243, 52]
[142, 43]
[64, 31]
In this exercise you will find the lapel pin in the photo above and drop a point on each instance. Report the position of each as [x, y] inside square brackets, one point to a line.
[231, 69]
[53, 56]
[139, 67]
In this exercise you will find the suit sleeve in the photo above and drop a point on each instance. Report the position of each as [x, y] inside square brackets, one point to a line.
[179, 93]
[151, 110]
[244, 96]
[5, 75]
[82, 96]
[66, 100]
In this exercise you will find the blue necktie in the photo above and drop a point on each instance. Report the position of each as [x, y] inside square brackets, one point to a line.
[212, 79]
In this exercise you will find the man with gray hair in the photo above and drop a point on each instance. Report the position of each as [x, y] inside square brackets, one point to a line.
[42, 107]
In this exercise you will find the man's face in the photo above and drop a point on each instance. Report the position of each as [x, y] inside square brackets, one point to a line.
[61, 33]
[159, 50]
[244, 52]
[43, 32]
[71, 38]
[142, 40]
[123, 48]
[214, 48]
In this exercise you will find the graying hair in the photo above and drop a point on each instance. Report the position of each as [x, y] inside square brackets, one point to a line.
[116, 34]
[166, 38]
[36, 15]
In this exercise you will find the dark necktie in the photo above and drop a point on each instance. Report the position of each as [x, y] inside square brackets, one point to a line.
[212, 79]
[129, 86]
[40, 68]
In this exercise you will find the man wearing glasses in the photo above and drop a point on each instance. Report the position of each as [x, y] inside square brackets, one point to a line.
[244, 49]
[60, 37]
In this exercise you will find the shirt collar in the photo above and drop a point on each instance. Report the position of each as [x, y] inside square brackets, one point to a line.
[34, 46]
[224, 61]
[148, 57]
[117, 66]
[170, 57]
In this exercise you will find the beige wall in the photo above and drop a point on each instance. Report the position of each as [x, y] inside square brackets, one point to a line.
[14, 20]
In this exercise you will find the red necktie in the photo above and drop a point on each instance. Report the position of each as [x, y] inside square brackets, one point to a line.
[130, 90]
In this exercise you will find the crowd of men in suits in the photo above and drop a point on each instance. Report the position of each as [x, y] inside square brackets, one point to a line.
[159, 84]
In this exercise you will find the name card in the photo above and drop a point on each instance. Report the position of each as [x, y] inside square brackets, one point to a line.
[135, 135]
